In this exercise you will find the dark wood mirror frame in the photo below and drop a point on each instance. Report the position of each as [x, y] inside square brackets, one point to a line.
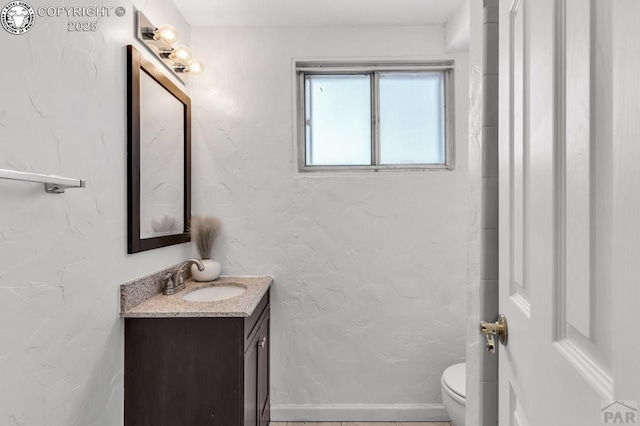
[136, 64]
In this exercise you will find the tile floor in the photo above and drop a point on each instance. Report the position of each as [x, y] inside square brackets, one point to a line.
[360, 424]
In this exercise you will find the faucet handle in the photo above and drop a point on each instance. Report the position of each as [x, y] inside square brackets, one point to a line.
[180, 277]
[169, 285]
[175, 282]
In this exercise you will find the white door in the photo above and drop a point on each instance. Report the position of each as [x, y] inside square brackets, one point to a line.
[569, 212]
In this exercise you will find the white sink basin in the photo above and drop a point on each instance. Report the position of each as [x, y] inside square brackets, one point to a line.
[214, 293]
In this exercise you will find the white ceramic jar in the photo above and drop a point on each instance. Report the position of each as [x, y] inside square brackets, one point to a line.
[212, 269]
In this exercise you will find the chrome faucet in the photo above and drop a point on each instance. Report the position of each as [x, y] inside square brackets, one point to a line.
[175, 281]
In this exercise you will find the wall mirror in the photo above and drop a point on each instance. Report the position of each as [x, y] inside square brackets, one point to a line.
[159, 157]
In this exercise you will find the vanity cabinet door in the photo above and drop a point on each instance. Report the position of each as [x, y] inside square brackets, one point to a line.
[183, 372]
[263, 372]
[256, 375]
[251, 383]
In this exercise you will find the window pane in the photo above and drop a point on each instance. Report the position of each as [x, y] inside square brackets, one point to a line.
[412, 118]
[338, 120]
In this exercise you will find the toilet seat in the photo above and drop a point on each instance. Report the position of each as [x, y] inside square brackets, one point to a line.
[454, 381]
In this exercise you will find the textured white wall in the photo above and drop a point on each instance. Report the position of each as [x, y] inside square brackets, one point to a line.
[62, 257]
[369, 305]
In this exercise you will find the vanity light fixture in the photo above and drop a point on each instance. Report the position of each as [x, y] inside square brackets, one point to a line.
[195, 67]
[165, 33]
[180, 59]
[180, 54]
[161, 42]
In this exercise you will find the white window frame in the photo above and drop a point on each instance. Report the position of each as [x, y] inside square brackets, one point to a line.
[305, 68]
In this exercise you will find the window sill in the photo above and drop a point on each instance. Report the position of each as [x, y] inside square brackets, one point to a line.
[375, 169]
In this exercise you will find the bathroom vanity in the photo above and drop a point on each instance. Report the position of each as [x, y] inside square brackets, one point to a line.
[198, 363]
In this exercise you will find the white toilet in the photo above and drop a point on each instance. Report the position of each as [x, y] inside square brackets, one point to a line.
[454, 392]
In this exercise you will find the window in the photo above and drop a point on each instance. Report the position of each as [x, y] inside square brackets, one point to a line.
[385, 116]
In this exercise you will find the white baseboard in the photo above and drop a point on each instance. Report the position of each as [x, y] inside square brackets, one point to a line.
[359, 412]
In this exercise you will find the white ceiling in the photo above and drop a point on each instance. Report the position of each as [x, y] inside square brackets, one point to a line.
[317, 12]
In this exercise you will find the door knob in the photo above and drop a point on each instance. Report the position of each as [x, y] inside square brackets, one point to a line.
[492, 329]
[262, 342]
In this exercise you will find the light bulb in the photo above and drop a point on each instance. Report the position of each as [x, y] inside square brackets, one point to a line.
[166, 33]
[195, 67]
[181, 54]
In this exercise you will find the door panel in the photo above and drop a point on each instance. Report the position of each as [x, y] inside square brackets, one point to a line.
[519, 152]
[575, 163]
[583, 185]
[556, 181]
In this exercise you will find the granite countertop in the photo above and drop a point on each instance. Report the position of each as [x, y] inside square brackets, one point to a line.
[137, 302]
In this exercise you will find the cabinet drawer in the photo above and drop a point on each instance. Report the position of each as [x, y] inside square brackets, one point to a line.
[252, 323]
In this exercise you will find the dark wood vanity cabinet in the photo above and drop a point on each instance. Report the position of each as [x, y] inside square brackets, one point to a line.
[256, 378]
[198, 371]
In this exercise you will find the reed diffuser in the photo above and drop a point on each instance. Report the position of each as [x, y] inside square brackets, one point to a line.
[204, 231]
